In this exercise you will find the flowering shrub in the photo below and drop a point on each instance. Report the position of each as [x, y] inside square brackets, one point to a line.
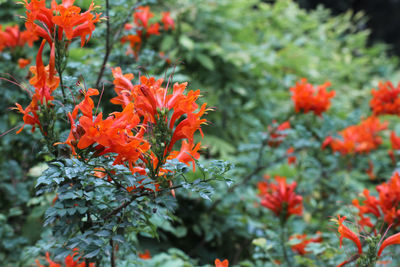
[120, 160]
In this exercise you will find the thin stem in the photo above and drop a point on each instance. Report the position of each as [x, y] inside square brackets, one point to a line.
[112, 256]
[283, 241]
[108, 45]
[62, 86]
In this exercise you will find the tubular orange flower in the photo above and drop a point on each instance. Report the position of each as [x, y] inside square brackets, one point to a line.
[391, 240]
[276, 134]
[307, 98]
[23, 62]
[224, 263]
[386, 99]
[300, 247]
[370, 171]
[345, 232]
[142, 16]
[186, 154]
[45, 82]
[167, 21]
[145, 255]
[280, 198]
[395, 143]
[291, 158]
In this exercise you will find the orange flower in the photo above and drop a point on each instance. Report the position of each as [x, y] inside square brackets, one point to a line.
[370, 171]
[300, 247]
[13, 37]
[224, 263]
[280, 198]
[69, 261]
[42, 21]
[395, 142]
[23, 62]
[142, 16]
[386, 99]
[167, 21]
[307, 98]
[345, 232]
[45, 82]
[145, 256]
[186, 154]
[276, 134]
[291, 158]
[391, 240]
[360, 138]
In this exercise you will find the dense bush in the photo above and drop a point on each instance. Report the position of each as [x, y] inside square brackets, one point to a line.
[294, 140]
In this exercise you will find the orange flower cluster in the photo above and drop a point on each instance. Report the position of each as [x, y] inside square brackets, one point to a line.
[143, 29]
[69, 261]
[300, 247]
[60, 19]
[12, 37]
[360, 138]
[386, 206]
[115, 134]
[345, 232]
[306, 98]
[386, 99]
[280, 198]
[45, 82]
[144, 133]
[156, 105]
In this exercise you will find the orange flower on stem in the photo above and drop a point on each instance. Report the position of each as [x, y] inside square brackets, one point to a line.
[280, 198]
[277, 134]
[167, 21]
[395, 143]
[45, 82]
[391, 240]
[306, 98]
[23, 62]
[291, 158]
[345, 232]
